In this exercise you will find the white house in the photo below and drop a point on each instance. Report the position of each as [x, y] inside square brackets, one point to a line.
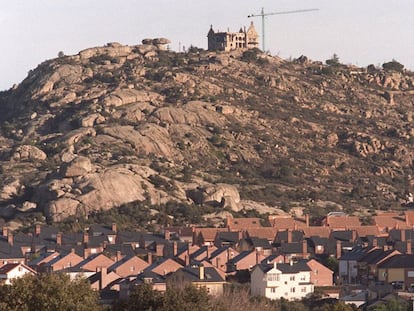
[12, 271]
[290, 281]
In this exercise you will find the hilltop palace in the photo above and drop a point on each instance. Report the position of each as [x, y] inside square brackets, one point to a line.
[229, 41]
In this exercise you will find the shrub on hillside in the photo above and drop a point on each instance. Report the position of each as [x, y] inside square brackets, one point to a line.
[393, 66]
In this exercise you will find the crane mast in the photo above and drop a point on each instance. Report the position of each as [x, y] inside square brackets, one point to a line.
[263, 15]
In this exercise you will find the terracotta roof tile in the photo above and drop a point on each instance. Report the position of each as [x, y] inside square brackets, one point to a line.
[286, 222]
[391, 221]
[322, 232]
[243, 223]
[364, 231]
[267, 233]
[342, 222]
[166, 267]
[209, 234]
[409, 218]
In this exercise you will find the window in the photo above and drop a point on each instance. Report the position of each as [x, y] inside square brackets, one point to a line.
[303, 290]
[292, 277]
[273, 290]
[273, 277]
[292, 289]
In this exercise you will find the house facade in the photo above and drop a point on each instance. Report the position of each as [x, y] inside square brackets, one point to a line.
[320, 275]
[398, 268]
[230, 41]
[11, 271]
[288, 281]
[200, 277]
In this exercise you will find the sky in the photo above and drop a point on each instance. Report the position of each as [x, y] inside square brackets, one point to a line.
[360, 32]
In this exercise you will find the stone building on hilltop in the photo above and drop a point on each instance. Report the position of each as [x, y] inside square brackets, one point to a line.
[229, 41]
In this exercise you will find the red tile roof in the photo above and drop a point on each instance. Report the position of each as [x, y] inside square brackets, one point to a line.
[319, 231]
[243, 223]
[209, 234]
[391, 221]
[364, 231]
[268, 233]
[342, 222]
[286, 222]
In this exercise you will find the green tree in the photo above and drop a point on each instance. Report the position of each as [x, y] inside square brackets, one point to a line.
[48, 292]
[141, 298]
[332, 263]
[333, 61]
[393, 66]
[186, 299]
[392, 305]
[144, 298]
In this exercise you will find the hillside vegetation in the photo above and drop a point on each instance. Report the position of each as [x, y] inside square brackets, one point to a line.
[240, 131]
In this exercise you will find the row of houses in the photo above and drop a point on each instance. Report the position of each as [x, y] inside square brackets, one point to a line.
[284, 259]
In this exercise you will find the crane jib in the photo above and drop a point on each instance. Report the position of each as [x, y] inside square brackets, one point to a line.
[263, 15]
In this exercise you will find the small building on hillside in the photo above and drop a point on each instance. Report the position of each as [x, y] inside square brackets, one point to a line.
[230, 41]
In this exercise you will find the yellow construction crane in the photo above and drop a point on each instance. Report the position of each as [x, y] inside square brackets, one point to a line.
[263, 15]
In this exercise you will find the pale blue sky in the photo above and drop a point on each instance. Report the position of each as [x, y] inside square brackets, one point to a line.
[361, 32]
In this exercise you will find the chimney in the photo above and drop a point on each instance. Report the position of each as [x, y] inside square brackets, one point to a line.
[375, 242]
[85, 237]
[229, 221]
[149, 258]
[289, 236]
[402, 235]
[240, 235]
[291, 262]
[218, 262]
[187, 260]
[33, 247]
[114, 229]
[5, 231]
[257, 257]
[354, 235]
[307, 220]
[105, 244]
[409, 247]
[118, 256]
[167, 234]
[59, 238]
[37, 229]
[10, 239]
[201, 272]
[159, 250]
[86, 253]
[103, 281]
[338, 249]
[175, 248]
[305, 248]
[193, 229]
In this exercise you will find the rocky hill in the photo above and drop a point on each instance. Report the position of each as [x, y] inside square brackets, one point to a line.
[118, 124]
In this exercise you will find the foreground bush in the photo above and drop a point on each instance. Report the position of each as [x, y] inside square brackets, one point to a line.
[48, 292]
